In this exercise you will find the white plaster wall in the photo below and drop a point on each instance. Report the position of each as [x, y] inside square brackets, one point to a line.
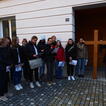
[43, 17]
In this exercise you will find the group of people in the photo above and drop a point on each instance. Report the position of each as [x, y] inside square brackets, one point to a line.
[14, 60]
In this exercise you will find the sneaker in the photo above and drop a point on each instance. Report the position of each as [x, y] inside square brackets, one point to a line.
[69, 78]
[31, 85]
[3, 98]
[49, 84]
[20, 86]
[72, 77]
[17, 87]
[38, 84]
[53, 83]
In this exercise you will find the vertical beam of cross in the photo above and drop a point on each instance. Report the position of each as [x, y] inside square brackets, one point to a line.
[95, 56]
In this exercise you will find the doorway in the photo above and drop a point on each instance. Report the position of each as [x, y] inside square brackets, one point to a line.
[88, 19]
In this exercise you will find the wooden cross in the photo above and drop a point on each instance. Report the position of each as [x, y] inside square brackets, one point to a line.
[96, 42]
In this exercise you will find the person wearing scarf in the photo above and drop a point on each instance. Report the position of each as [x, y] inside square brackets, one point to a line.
[71, 54]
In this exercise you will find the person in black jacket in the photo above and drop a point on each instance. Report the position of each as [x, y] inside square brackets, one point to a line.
[41, 49]
[26, 65]
[71, 54]
[32, 53]
[5, 63]
[18, 60]
[49, 59]
[10, 74]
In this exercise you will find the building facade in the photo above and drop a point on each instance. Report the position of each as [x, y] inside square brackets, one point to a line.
[26, 18]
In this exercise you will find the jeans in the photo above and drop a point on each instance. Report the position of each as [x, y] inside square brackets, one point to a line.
[70, 69]
[42, 69]
[81, 66]
[17, 77]
[58, 70]
[3, 82]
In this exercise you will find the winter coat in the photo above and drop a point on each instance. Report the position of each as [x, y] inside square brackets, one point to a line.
[17, 51]
[30, 51]
[49, 54]
[71, 51]
[60, 56]
[82, 51]
[41, 49]
[5, 57]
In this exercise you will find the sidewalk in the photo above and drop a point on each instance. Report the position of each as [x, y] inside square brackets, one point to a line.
[82, 92]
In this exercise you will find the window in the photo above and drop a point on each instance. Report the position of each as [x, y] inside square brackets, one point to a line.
[8, 27]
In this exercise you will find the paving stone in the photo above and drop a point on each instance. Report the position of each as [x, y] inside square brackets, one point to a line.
[81, 92]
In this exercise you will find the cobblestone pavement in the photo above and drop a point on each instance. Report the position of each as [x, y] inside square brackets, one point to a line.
[81, 92]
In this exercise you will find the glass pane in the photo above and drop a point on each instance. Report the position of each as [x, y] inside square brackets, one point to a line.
[5, 28]
[9, 23]
[13, 26]
[1, 29]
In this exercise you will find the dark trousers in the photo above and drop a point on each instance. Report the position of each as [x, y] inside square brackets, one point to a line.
[70, 69]
[3, 82]
[26, 70]
[50, 68]
[32, 74]
[29, 74]
[11, 74]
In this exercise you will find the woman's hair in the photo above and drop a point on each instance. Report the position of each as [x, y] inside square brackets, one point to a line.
[9, 40]
[4, 41]
[71, 40]
[60, 43]
[53, 37]
[14, 42]
[24, 40]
